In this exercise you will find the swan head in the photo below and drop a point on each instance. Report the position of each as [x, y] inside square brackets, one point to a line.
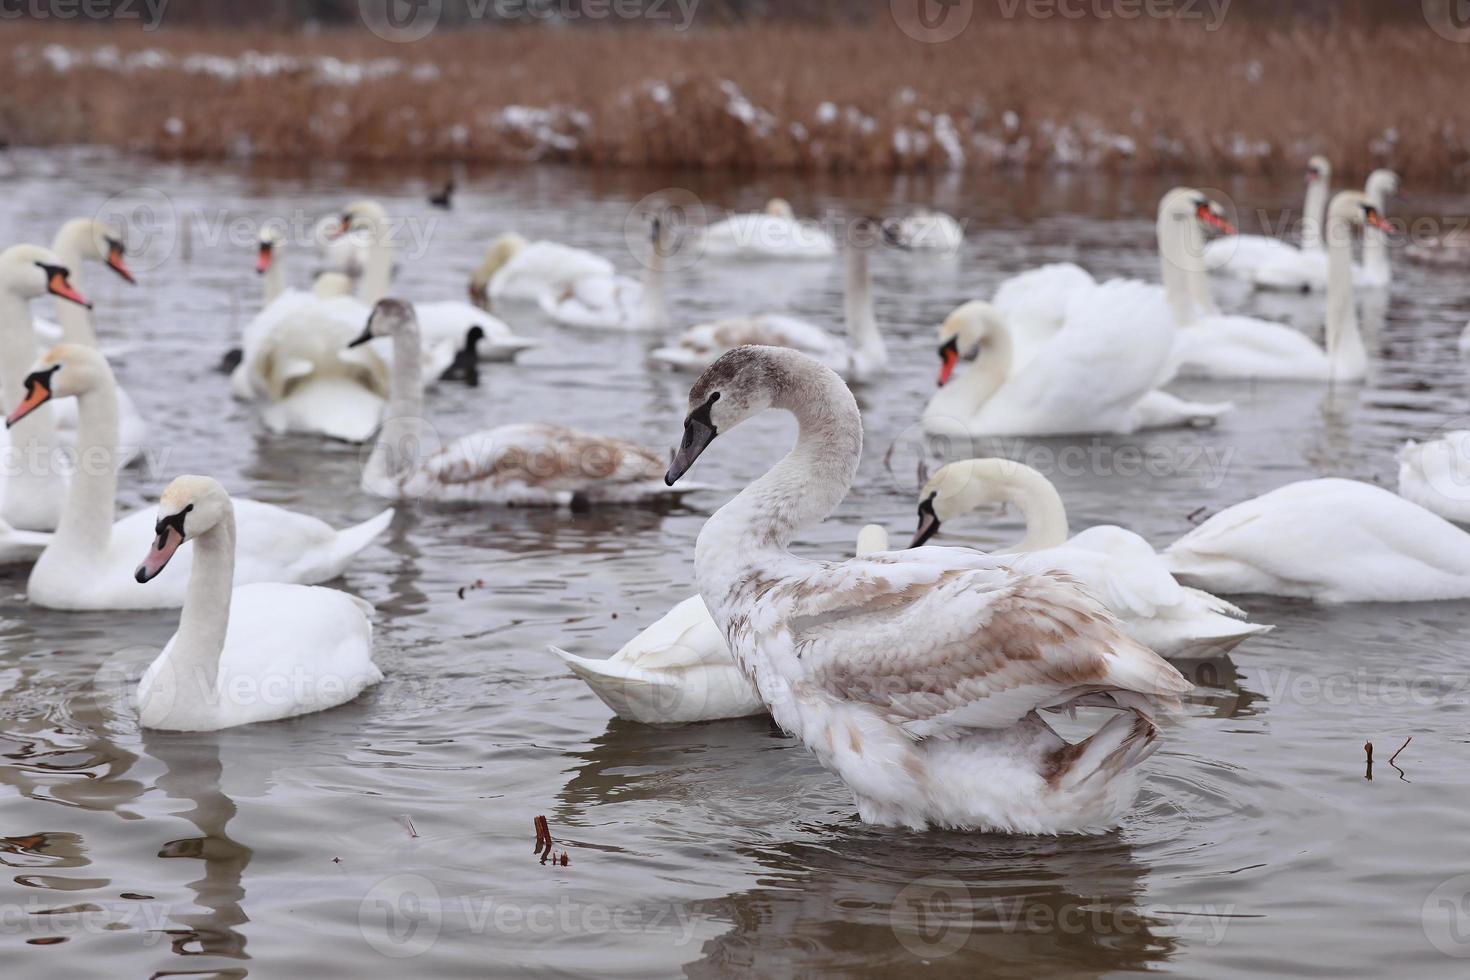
[963, 332]
[1381, 184]
[30, 271]
[190, 506]
[365, 217]
[1189, 204]
[742, 383]
[504, 248]
[779, 207]
[868, 233]
[1319, 170]
[65, 371]
[1354, 209]
[267, 246]
[389, 318]
[90, 239]
[964, 487]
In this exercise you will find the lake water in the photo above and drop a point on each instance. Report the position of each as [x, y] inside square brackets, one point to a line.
[721, 849]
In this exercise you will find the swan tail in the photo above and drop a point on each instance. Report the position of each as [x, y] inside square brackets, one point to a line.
[507, 349]
[1115, 749]
[352, 540]
[680, 359]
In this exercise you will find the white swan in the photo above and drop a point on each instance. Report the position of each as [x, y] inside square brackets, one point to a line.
[861, 357]
[77, 242]
[1269, 263]
[1115, 565]
[88, 564]
[1377, 269]
[515, 269]
[529, 464]
[34, 482]
[249, 654]
[444, 324]
[1436, 475]
[775, 233]
[916, 677]
[930, 231]
[617, 302]
[1099, 373]
[1328, 540]
[1218, 346]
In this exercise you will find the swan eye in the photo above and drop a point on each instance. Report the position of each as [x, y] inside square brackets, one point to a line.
[174, 523]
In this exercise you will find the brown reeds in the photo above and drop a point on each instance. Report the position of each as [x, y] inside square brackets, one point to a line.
[1150, 95]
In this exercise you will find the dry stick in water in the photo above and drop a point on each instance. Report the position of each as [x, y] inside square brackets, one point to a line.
[1368, 748]
[1401, 748]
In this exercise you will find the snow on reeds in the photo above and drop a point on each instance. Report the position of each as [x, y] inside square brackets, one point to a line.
[1148, 95]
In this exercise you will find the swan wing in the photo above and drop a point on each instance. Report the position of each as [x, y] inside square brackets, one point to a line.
[542, 459]
[941, 640]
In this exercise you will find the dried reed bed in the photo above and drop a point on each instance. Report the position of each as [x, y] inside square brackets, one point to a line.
[1151, 95]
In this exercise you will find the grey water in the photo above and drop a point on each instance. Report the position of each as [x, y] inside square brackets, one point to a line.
[394, 835]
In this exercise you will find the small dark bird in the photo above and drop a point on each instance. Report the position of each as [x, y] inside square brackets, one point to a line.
[445, 198]
[466, 366]
[231, 360]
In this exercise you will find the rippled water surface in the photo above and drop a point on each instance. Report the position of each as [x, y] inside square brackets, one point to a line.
[722, 849]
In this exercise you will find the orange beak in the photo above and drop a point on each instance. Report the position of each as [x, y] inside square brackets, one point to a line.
[342, 229]
[1213, 220]
[58, 286]
[949, 356]
[38, 393]
[116, 264]
[158, 556]
[1376, 220]
[263, 260]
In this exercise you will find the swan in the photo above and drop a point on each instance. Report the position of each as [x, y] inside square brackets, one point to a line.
[529, 464]
[930, 231]
[77, 242]
[242, 655]
[1377, 270]
[444, 323]
[1099, 373]
[87, 563]
[775, 233]
[1269, 263]
[1435, 475]
[616, 302]
[860, 358]
[518, 270]
[1115, 565]
[916, 677]
[1218, 346]
[34, 482]
[1328, 540]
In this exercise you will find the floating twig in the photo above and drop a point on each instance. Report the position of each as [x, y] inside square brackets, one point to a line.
[478, 583]
[1193, 516]
[1368, 748]
[1402, 774]
[544, 842]
[407, 822]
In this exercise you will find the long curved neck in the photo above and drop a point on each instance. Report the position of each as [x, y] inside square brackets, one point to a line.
[1345, 352]
[857, 297]
[377, 274]
[802, 489]
[396, 453]
[34, 483]
[1375, 243]
[967, 394]
[654, 303]
[1314, 212]
[86, 521]
[75, 320]
[1182, 267]
[205, 618]
[1040, 506]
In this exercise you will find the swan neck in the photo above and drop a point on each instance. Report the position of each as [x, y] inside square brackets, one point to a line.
[33, 486]
[802, 489]
[274, 280]
[1314, 213]
[205, 619]
[75, 321]
[655, 309]
[396, 453]
[86, 521]
[990, 370]
[857, 295]
[1345, 351]
[377, 273]
[1042, 509]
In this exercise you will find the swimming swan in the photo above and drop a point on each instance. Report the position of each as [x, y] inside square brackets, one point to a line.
[916, 677]
[774, 233]
[243, 655]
